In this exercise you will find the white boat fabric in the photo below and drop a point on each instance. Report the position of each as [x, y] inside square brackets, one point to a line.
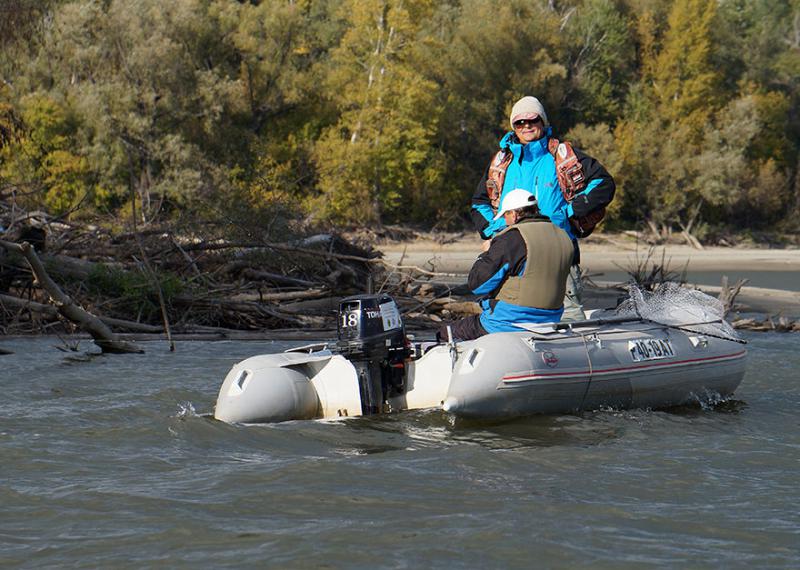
[659, 349]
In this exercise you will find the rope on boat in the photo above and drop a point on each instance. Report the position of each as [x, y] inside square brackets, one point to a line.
[591, 371]
[684, 329]
[569, 326]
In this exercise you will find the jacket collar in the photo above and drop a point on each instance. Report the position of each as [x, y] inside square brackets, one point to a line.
[533, 149]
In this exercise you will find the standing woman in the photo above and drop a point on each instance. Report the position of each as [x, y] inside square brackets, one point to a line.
[527, 159]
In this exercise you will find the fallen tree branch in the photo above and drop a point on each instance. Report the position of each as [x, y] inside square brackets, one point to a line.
[102, 335]
[244, 308]
[150, 272]
[327, 254]
[279, 247]
[61, 265]
[259, 275]
[191, 263]
[51, 311]
[282, 296]
[727, 295]
[691, 240]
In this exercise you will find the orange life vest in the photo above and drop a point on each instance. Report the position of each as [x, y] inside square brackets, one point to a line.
[570, 175]
[572, 180]
[497, 176]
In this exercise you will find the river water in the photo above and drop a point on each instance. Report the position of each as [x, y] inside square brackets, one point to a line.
[114, 463]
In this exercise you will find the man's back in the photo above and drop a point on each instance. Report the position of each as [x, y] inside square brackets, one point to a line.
[523, 274]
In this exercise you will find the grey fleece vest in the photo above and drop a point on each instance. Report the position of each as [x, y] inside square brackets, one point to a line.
[544, 280]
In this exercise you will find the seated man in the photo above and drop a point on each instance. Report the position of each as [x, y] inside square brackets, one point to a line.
[523, 273]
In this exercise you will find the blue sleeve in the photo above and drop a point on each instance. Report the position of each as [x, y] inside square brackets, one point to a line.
[491, 226]
[493, 282]
[492, 267]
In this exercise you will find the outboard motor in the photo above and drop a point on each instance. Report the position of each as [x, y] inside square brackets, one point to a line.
[371, 336]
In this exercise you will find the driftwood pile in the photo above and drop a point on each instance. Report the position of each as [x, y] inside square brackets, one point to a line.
[767, 324]
[65, 278]
[62, 278]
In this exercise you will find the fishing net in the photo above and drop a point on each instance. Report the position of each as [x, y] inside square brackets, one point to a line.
[671, 304]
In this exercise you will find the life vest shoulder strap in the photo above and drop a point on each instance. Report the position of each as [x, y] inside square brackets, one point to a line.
[568, 168]
[572, 180]
[497, 175]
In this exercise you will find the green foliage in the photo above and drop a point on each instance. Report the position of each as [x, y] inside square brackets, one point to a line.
[10, 125]
[134, 289]
[695, 147]
[373, 161]
[370, 111]
[602, 59]
[684, 78]
[40, 155]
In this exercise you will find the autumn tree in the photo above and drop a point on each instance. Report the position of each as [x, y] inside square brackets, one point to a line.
[379, 154]
[685, 81]
[364, 111]
[602, 61]
[667, 114]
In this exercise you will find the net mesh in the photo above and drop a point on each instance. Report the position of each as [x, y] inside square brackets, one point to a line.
[673, 305]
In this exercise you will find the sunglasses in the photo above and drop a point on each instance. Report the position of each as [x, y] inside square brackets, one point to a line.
[527, 122]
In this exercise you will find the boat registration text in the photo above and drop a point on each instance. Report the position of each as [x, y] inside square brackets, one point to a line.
[650, 349]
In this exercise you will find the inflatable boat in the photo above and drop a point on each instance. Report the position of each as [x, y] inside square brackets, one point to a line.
[609, 362]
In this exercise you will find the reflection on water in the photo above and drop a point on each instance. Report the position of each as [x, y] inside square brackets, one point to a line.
[117, 462]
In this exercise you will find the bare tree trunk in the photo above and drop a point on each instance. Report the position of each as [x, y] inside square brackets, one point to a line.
[52, 312]
[728, 294]
[691, 240]
[654, 229]
[151, 273]
[102, 335]
[686, 230]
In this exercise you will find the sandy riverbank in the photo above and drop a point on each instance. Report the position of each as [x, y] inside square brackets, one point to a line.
[615, 253]
[602, 254]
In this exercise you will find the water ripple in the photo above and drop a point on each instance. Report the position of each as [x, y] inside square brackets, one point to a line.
[117, 462]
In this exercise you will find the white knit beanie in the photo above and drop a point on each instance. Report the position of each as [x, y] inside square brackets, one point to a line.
[528, 108]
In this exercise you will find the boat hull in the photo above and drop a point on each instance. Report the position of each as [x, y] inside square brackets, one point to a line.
[502, 375]
[591, 371]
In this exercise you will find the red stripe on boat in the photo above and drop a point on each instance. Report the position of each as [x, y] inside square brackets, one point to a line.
[623, 368]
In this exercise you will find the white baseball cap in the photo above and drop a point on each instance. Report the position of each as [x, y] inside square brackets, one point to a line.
[514, 200]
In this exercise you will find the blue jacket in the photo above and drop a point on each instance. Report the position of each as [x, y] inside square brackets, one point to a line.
[534, 169]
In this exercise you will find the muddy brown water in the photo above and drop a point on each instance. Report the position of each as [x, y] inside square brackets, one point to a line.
[114, 462]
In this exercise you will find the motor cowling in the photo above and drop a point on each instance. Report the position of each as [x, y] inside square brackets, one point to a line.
[371, 336]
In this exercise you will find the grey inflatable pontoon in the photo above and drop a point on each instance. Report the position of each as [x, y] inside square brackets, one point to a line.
[615, 362]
